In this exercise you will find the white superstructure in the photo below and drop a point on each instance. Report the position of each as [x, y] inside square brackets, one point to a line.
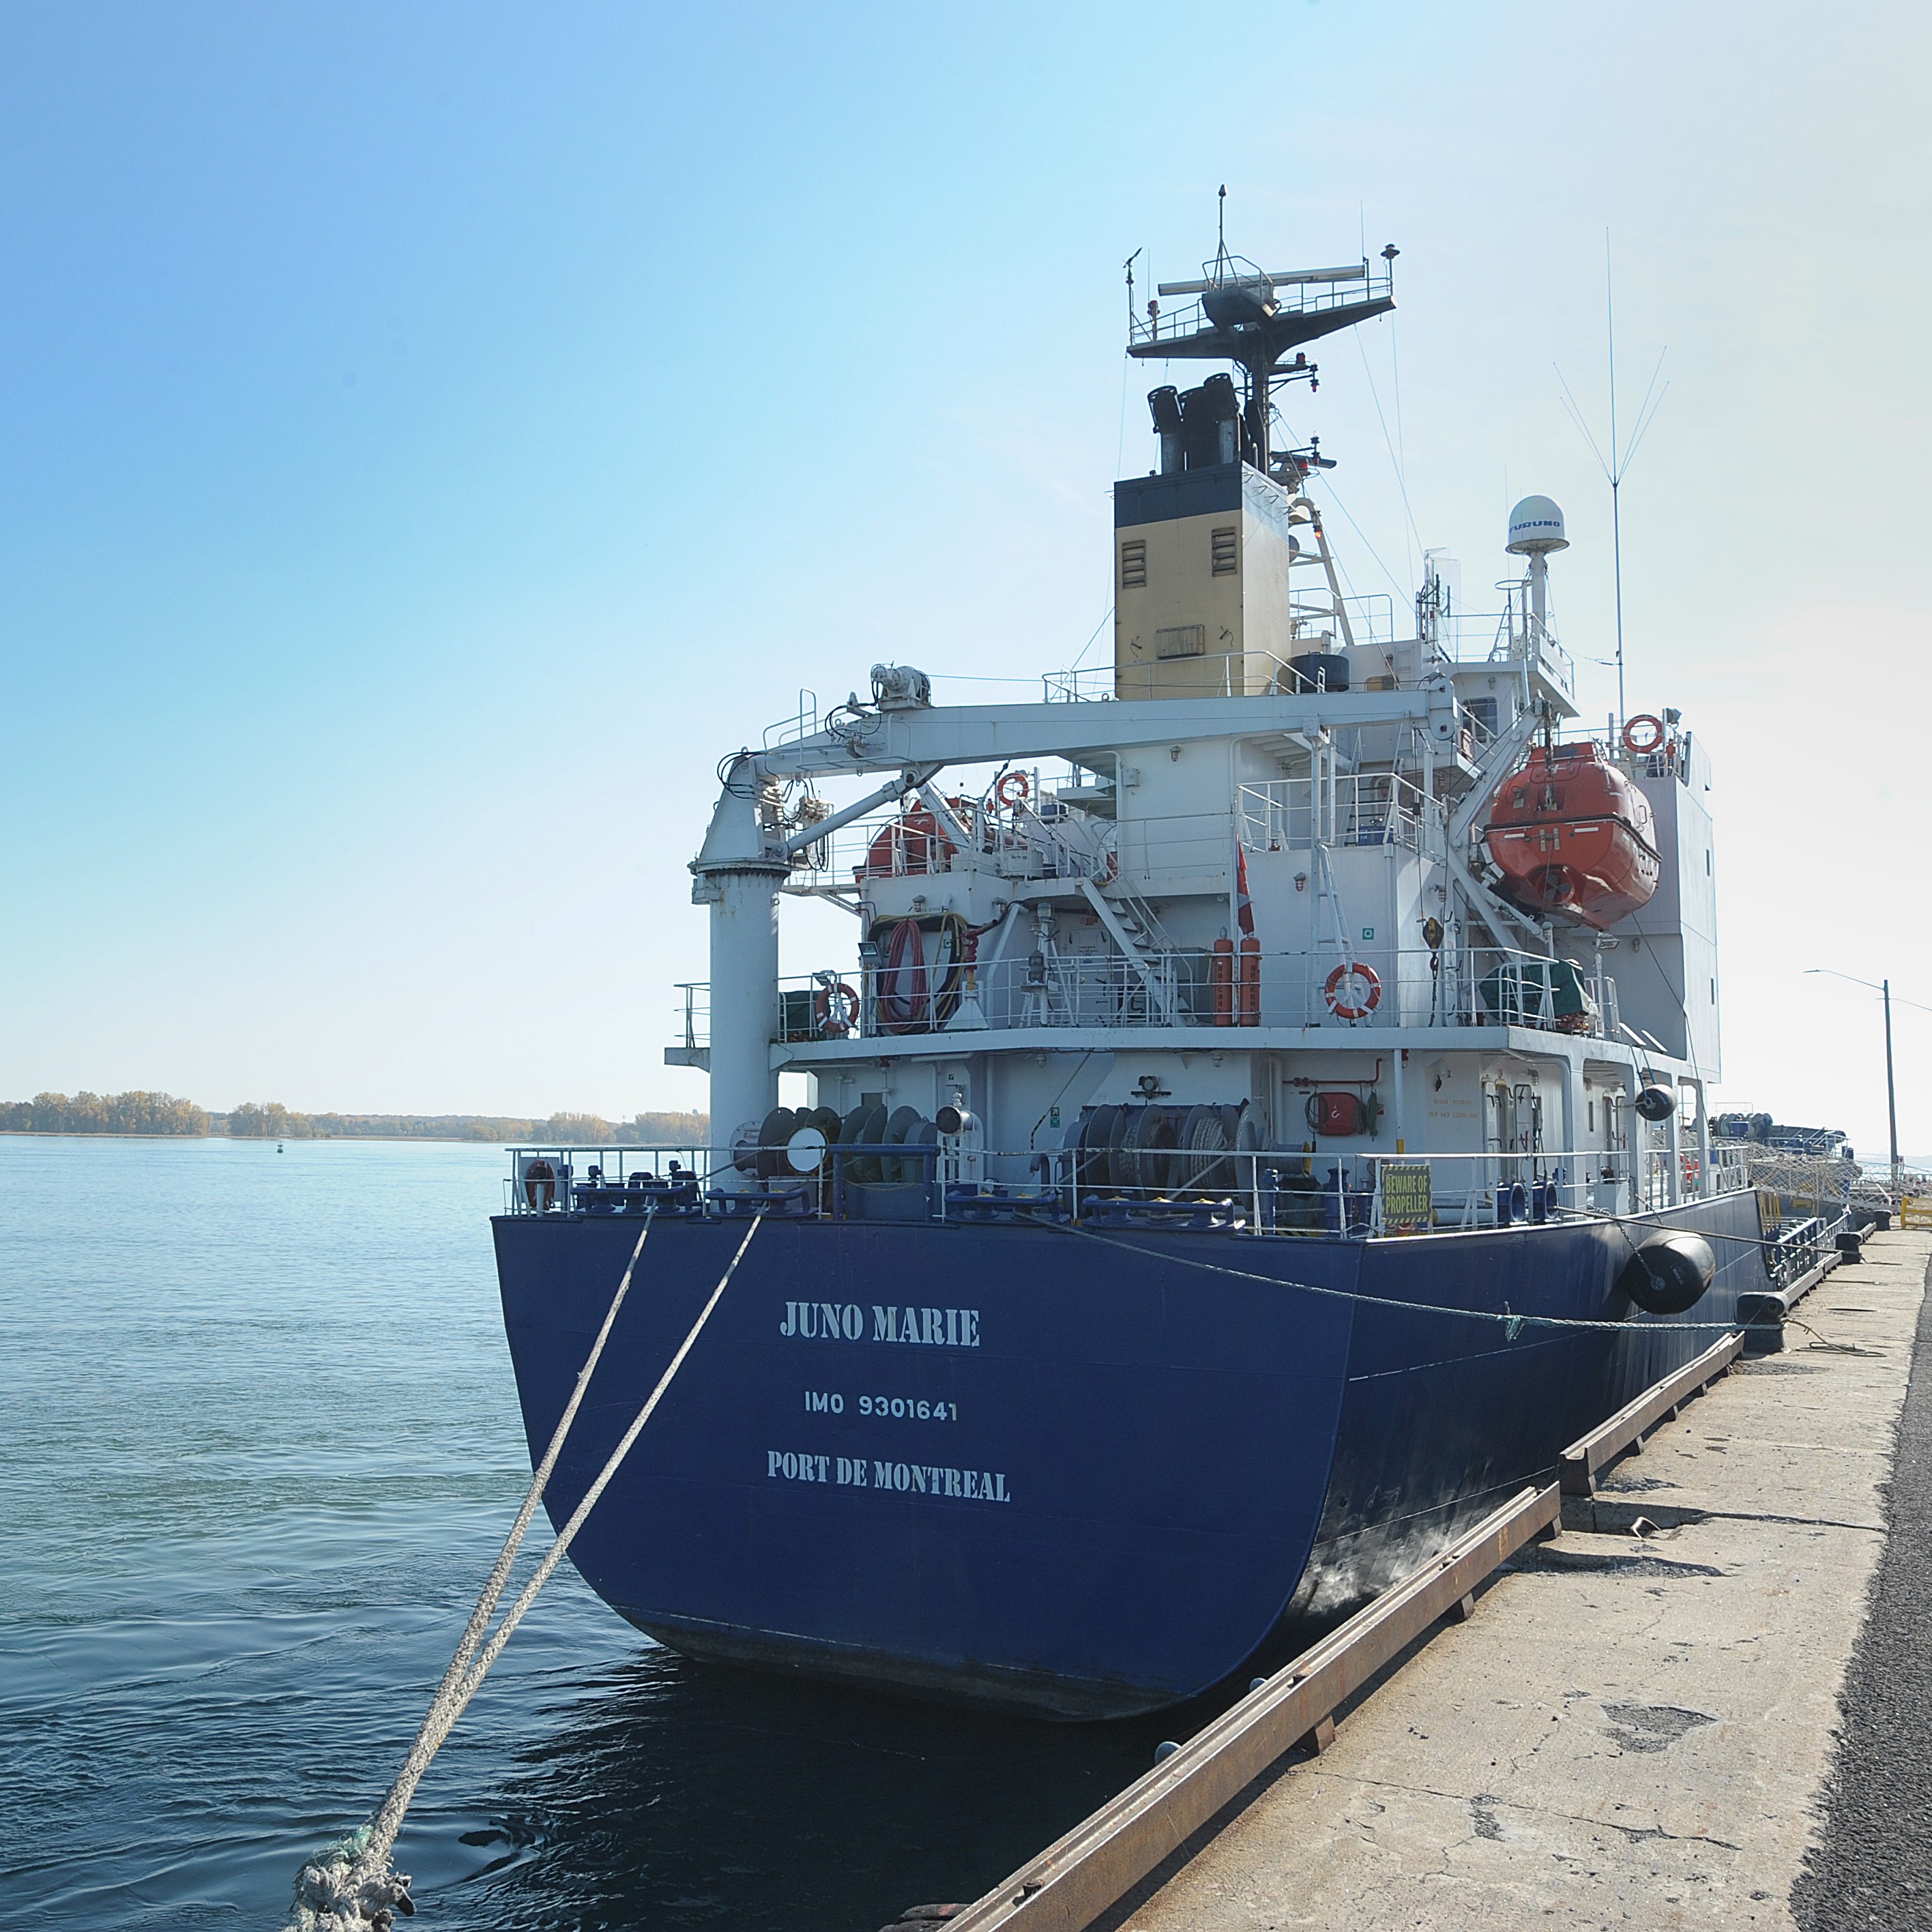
[1236, 879]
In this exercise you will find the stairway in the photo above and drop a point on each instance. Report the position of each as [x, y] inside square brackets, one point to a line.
[1135, 931]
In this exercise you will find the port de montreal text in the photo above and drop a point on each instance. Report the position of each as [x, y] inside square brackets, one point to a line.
[972, 1485]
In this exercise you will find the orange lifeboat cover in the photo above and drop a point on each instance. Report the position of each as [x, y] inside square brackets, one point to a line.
[1574, 836]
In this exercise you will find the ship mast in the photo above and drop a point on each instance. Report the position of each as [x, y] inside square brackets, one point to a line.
[1258, 319]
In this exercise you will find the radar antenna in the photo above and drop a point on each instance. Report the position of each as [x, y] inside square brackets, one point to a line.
[1254, 318]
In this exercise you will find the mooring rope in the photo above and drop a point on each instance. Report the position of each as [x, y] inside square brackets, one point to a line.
[351, 1886]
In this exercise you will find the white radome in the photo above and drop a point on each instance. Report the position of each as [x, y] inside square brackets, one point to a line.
[1536, 527]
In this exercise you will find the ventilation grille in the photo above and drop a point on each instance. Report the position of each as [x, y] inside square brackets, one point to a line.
[1224, 552]
[1184, 640]
[1133, 564]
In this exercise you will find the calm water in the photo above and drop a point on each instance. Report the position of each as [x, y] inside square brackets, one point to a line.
[258, 1447]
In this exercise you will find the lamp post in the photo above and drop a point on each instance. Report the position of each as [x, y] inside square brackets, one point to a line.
[1883, 988]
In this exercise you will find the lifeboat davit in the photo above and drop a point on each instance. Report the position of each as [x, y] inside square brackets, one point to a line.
[1575, 836]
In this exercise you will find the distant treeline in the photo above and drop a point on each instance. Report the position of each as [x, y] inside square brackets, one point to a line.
[273, 1121]
[163, 1114]
[104, 1114]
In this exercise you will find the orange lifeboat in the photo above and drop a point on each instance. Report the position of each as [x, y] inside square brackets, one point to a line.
[1574, 836]
[913, 842]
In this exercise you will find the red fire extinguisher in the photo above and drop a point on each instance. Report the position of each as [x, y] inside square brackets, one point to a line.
[1221, 980]
[1248, 981]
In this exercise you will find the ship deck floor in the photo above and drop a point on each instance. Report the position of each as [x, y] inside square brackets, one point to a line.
[1639, 1731]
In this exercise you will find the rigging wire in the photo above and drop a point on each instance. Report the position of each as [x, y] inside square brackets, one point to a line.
[1395, 463]
[1340, 570]
[1098, 628]
[1616, 465]
[1401, 441]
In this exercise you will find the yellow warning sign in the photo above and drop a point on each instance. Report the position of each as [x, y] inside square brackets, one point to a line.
[1407, 1205]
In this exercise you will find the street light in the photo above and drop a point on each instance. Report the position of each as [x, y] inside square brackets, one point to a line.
[1884, 987]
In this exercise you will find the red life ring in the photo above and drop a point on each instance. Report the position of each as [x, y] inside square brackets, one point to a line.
[1370, 997]
[1649, 741]
[835, 1007]
[539, 1180]
[1011, 789]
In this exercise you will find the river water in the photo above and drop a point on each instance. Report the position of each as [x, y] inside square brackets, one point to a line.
[258, 1447]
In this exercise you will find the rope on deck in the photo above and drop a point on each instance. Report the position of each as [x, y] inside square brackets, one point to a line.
[350, 1885]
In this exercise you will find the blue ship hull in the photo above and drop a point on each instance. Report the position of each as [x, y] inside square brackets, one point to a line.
[1057, 1471]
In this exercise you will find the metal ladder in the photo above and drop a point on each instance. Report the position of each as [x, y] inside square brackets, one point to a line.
[1134, 929]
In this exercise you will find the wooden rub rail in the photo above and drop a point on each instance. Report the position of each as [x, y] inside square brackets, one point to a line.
[1624, 1430]
[1072, 1882]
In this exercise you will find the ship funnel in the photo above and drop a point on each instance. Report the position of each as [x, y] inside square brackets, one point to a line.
[1211, 423]
[1165, 405]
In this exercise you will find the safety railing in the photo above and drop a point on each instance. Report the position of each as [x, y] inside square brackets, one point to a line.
[823, 1005]
[1168, 1169]
[1503, 1186]
[693, 1015]
[1251, 672]
[949, 985]
[1356, 808]
[1197, 847]
[803, 723]
[1078, 684]
[1366, 283]
[656, 1178]
[1801, 1245]
[1091, 989]
[1032, 837]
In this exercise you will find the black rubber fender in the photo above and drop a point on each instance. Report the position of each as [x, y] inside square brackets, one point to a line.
[1669, 1273]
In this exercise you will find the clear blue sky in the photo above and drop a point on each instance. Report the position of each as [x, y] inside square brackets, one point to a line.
[432, 436]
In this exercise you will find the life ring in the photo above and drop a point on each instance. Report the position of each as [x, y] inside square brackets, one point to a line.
[1012, 790]
[1649, 740]
[539, 1184]
[1370, 997]
[836, 1008]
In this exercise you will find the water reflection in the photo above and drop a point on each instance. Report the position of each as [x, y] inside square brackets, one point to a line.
[687, 1794]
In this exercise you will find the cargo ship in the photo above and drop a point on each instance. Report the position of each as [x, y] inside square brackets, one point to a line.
[1260, 1120]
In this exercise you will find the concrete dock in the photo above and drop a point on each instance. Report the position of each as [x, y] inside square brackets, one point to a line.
[1641, 1726]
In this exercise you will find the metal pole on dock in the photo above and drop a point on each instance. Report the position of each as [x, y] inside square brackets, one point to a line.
[1883, 988]
[1890, 1092]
